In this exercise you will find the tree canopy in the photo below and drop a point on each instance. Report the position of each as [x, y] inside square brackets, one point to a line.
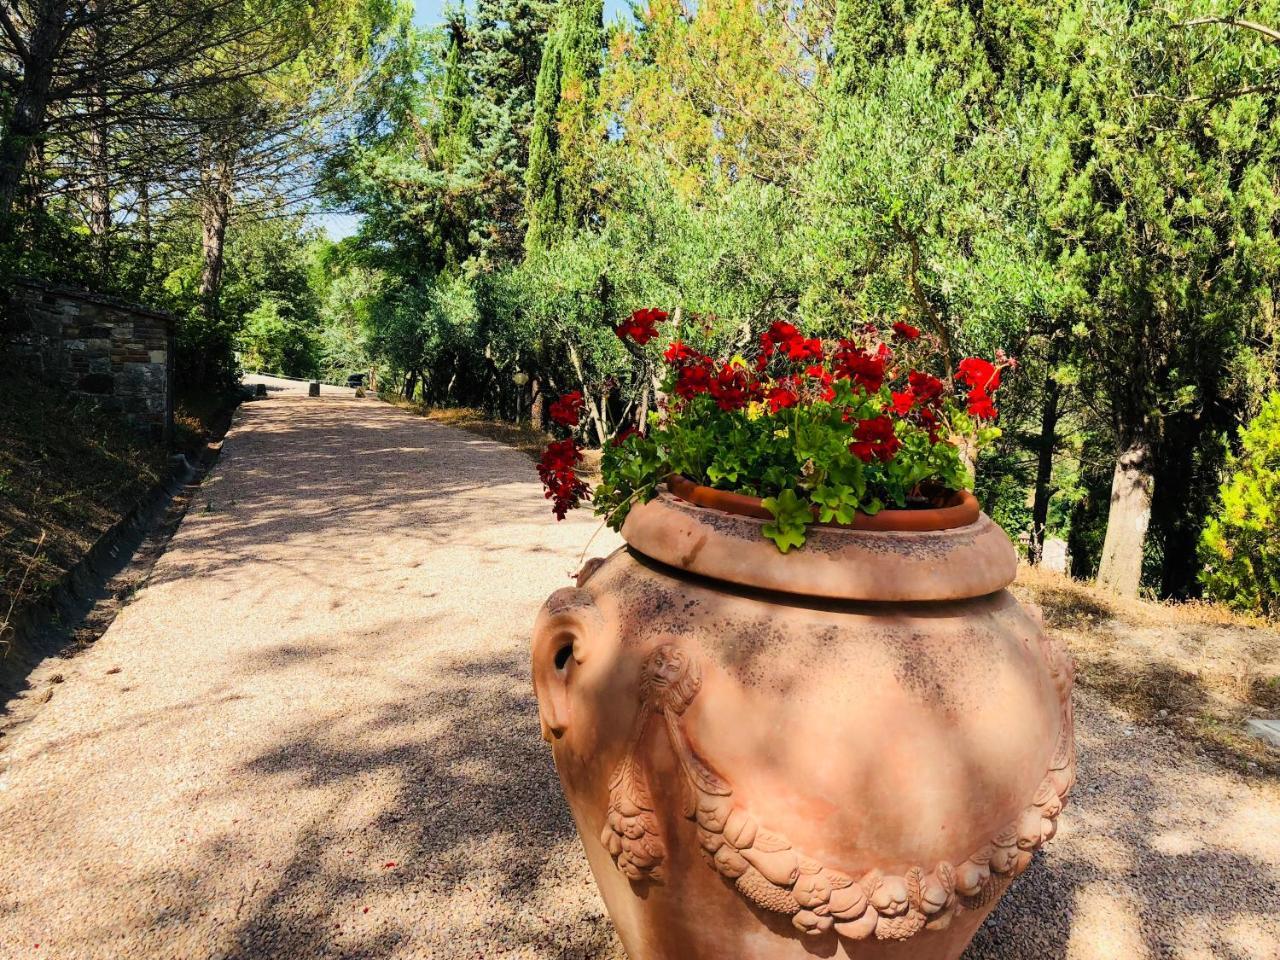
[1089, 185]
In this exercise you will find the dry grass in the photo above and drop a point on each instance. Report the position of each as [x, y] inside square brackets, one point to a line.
[201, 417]
[67, 474]
[1198, 668]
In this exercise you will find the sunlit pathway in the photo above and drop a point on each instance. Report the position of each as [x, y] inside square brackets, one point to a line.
[312, 735]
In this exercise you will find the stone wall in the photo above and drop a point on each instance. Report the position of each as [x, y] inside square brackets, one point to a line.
[117, 353]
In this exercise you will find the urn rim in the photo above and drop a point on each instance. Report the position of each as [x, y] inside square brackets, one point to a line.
[960, 509]
[836, 563]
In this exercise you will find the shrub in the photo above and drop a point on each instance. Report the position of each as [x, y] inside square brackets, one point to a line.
[1240, 547]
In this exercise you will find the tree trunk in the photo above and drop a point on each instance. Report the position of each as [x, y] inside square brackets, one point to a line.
[537, 403]
[215, 212]
[26, 123]
[1120, 569]
[100, 197]
[595, 414]
[99, 164]
[1044, 459]
[642, 415]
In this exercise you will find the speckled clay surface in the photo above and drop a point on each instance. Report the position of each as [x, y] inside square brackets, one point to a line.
[766, 774]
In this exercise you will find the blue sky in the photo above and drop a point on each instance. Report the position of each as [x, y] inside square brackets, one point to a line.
[430, 13]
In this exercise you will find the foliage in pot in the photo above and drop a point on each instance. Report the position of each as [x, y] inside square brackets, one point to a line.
[820, 429]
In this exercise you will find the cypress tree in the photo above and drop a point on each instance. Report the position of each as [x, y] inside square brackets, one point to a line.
[505, 56]
[457, 124]
[865, 34]
[557, 184]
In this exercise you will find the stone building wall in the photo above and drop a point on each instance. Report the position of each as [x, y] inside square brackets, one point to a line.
[117, 353]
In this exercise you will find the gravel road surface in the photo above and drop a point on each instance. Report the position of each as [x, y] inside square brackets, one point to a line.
[311, 735]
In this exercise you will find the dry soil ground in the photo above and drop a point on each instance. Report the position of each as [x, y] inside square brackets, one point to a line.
[312, 735]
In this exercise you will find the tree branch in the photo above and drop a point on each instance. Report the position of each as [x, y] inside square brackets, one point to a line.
[1269, 32]
[936, 323]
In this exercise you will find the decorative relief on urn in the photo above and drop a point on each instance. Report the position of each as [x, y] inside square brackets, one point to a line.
[769, 872]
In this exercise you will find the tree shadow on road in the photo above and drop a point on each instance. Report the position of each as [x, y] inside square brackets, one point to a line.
[443, 817]
[1136, 871]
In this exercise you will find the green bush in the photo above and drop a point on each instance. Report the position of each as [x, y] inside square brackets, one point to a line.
[1240, 547]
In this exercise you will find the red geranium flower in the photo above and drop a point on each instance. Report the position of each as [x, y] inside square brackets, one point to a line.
[678, 354]
[779, 334]
[981, 405]
[979, 374]
[903, 402]
[906, 331]
[823, 376]
[556, 468]
[781, 396]
[924, 386]
[983, 378]
[731, 388]
[694, 378]
[642, 325]
[568, 409]
[851, 362]
[620, 437]
[801, 349]
[874, 439]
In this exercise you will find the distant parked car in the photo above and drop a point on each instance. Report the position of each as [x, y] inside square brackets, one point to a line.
[356, 380]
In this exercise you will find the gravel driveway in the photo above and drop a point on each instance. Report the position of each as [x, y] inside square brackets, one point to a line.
[312, 735]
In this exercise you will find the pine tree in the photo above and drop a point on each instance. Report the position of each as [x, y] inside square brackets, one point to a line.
[557, 195]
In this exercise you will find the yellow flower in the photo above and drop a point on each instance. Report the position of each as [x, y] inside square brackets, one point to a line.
[755, 410]
[782, 434]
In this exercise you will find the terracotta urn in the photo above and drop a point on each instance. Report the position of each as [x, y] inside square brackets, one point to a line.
[848, 750]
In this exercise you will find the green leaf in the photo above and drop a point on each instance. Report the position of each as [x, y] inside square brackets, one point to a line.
[836, 502]
[790, 517]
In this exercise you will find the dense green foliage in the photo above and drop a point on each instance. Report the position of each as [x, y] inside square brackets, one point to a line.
[165, 152]
[1088, 184]
[1240, 545]
[558, 180]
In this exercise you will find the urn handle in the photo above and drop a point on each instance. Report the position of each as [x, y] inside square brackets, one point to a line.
[561, 637]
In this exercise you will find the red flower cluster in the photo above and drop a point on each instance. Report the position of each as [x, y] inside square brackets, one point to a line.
[693, 370]
[983, 378]
[620, 437]
[874, 439]
[733, 389]
[642, 326]
[823, 378]
[678, 354]
[800, 370]
[558, 470]
[786, 340]
[867, 369]
[568, 409]
[924, 387]
[782, 396]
